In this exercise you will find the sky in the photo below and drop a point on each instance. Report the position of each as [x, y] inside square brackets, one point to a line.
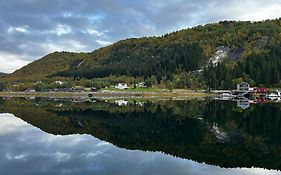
[30, 29]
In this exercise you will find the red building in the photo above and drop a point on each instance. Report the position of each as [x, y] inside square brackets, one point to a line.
[261, 90]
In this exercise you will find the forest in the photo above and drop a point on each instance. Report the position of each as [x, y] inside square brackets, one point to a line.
[181, 59]
[259, 69]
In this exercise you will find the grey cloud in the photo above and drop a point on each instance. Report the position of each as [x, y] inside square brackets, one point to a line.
[112, 20]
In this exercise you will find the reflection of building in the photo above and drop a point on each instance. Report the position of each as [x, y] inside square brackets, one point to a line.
[121, 102]
[243, 87]
[140, 103]
[243, 103]
[77, 89]
[261, 100]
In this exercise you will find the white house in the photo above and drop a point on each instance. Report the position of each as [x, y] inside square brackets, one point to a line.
[59, 82]
[243, 87]
[141, 84]
[121, 86]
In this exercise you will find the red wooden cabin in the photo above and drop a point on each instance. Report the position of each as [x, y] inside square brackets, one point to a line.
[261, 90]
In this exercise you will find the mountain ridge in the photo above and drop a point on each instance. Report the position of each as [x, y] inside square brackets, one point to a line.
[166, 56]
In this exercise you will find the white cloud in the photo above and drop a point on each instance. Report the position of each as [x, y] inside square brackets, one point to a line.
[92, 31]
[11, 62]
[103, 43]
[252, 10]
[67, 14]
[10, 124]
[267, 11]
[65, 45]
[86, 25]
[17, 29]
[62, 29]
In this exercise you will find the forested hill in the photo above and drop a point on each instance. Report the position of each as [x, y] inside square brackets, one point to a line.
[249, 51]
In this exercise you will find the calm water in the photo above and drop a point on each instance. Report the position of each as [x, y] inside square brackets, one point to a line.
[41, 136]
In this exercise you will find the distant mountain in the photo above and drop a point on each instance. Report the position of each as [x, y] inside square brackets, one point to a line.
[2, 74]
[248, 51]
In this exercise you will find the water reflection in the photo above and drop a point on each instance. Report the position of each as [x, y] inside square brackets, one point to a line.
[245, 103]
[27, 150]
[205, 130]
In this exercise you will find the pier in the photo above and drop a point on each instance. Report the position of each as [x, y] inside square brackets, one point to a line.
[244, 90]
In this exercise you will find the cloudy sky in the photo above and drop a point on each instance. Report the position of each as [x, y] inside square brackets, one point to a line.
[30, 29]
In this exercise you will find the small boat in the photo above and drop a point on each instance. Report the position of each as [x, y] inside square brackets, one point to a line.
[227, 95]
[274, 96]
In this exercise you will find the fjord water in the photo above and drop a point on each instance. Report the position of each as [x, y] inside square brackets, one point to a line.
[42, 136]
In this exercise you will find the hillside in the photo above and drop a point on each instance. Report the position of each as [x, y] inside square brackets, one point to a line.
[48, 65]
[240, 51]
[2, 74]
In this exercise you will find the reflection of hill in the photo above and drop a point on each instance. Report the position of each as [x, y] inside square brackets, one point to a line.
[184, 129]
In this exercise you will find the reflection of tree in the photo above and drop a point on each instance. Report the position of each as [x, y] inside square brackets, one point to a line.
[179, 128]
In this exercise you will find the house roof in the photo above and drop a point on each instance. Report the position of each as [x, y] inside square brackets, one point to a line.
[243, 83]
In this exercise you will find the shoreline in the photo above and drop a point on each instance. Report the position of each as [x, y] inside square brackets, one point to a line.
[111, 94]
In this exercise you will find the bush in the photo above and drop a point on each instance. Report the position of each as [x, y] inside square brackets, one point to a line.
[2, 86]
